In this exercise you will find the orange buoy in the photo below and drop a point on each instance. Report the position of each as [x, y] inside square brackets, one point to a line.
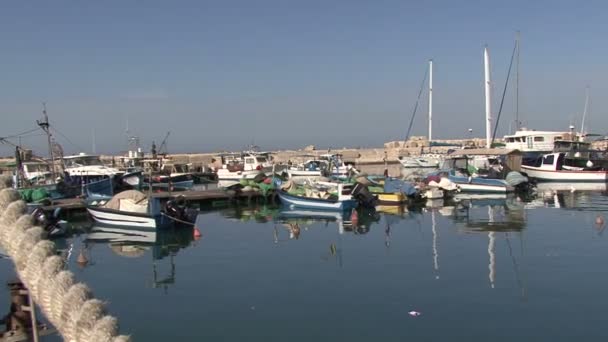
[354, 217]
[599, 220]
[82, 260]
[197, 234]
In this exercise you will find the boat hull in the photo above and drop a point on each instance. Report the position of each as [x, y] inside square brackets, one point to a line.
[419, 163]
[122, 219]
[565, 175]
[386, 198]
[314, 203]
[303, 173]
[477, 184]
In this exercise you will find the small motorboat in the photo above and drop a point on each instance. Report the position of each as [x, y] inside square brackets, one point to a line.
[133, 208]
[420, 162]
[321, 198]
[554, 167]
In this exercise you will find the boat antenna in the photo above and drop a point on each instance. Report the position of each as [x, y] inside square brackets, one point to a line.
[585, 110]
[504, 92]
[409, 128]
[44, 125]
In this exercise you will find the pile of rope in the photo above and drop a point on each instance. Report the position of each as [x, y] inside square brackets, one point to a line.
[68, 305]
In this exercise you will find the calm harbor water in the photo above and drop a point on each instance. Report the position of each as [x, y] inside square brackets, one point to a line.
[483, 268]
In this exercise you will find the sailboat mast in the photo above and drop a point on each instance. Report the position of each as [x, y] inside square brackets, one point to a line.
[93, 141]
[585, 110]
[486, 60]
[430, 101]
[517, 123]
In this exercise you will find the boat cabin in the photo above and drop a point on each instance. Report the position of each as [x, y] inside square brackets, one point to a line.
[573, 161]
[175, 168]
[82, 159]
[536, 141]
[246, 161]
[494, 163]
[36, 170]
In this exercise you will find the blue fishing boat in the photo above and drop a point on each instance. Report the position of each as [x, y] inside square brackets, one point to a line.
[320, 200]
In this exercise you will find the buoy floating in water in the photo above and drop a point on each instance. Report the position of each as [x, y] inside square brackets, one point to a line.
[599, 220]
[82, 260]
[354, 217]
[197, 234]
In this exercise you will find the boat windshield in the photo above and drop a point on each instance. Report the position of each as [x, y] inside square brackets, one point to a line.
[37, 168]
[83, 161]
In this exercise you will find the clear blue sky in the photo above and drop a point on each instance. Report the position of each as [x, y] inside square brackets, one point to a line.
[284, 74]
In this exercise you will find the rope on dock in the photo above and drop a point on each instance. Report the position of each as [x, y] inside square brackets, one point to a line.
[68, 305]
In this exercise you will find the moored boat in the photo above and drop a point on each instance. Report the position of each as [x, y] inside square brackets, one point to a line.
[420, 162]
[133, 208]
[493, 170]
[321, 199]
[554, 167]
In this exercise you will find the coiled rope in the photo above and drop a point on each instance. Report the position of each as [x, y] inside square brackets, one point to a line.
[68, 305]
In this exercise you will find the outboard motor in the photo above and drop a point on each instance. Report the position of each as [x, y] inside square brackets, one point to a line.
[362, 194]
[176, 208]
[50, 223]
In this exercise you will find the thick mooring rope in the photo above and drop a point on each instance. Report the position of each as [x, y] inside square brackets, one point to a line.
[68, 305]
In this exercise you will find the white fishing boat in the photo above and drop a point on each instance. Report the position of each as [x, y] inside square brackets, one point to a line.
[484, 170]
[246, 165]
[310, 168]
[421, 162]
[553, 167]
[87, 166]
[37, 172]
[133, 208]
[336, 165]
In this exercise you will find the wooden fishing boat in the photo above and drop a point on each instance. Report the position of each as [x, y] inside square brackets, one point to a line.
[135, 209]
[553, 167]
[342, 201]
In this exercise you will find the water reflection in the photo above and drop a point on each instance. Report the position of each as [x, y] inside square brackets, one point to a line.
[134, 242]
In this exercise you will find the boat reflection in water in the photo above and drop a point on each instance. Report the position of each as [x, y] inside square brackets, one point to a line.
[498, 216]
[357, 222]
[132, 242]
[574, 195]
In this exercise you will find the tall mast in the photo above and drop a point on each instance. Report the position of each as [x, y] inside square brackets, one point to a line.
[517, 123]
[93, 141]
[44, 124]
[486, 60]
[430, 100]
[585, 110]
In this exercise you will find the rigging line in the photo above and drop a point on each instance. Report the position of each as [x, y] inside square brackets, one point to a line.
[504, 92]
[409, 128]
[22, 133]
[66, 138]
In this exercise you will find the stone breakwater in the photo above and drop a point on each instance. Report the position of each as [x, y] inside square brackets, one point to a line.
[354, 155]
